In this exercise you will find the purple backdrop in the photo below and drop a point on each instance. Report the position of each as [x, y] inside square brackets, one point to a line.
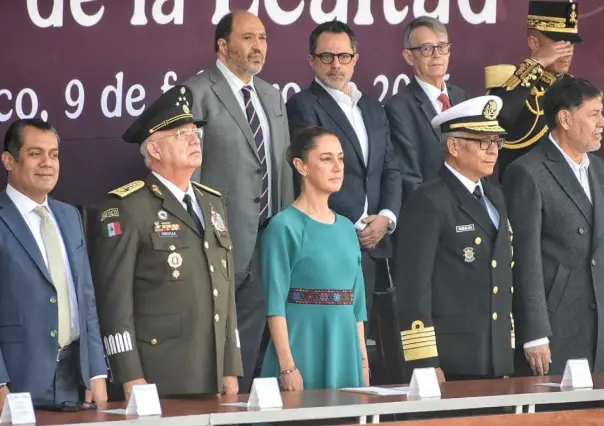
[66, 60]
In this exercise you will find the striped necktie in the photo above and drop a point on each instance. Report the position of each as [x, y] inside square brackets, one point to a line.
[254, 122]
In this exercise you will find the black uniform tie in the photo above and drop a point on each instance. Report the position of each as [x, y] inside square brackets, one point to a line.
[480, 197]
[189, 203]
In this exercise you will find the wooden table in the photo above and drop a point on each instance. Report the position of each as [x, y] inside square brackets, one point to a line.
[558, 418]
[332, 404]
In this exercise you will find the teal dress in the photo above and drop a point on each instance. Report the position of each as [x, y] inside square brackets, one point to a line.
[312, 276]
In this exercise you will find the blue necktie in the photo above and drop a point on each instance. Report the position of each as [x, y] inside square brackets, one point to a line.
[254, 122]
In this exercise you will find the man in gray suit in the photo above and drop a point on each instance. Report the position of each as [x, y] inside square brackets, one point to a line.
[244, 151]
[556, 207]
[416, 142]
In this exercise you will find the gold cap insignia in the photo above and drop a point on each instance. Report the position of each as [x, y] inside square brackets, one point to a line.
[186, 109]
[182, 90]
[490, 110]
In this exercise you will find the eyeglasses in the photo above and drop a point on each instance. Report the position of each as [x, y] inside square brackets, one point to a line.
[427, 50]
[486, 143]
[185, 134]
[327, 58]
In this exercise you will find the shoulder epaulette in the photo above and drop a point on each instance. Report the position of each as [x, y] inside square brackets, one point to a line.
[130, 188]
[206, 189]
[497, 75]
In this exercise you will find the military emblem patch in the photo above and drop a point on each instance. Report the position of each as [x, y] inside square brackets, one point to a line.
[175, 260]
[216, 220]
[490, 110]
[468, 255]
[110, 213]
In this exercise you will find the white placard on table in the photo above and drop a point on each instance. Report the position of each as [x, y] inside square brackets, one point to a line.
[144, 401]
[424, 383]
[18, 409]
[577, 374]
[265, 393]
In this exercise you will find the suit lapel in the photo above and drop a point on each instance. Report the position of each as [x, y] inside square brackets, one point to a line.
[225, 94]
[455, 96]
[596, 183]
[16, 224]
[565, 177]
[496, 198]
[469, 204]
[204, 212]
[368, 122]
[170, 203]
[67, 235]
[425, 104]
[332, 108]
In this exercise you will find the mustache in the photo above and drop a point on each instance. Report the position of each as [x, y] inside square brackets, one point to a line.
[256, 53]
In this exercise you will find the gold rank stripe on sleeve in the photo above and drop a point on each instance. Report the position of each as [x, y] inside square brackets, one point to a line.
[207, 189]
[130, 188]
[419, 342]
[528, 71]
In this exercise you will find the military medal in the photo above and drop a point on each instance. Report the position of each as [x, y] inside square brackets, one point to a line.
[468, 254]
[156, 190]
[162, 215]
[216, 220]
[175, 274]
[175, 260]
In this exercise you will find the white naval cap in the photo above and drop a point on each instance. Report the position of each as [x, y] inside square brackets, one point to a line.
[476, 115]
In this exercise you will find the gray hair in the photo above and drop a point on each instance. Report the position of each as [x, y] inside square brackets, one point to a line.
[145, 152]
[423, 21]
[445, 137]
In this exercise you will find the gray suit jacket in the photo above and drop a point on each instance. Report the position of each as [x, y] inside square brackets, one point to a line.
[559, 251]
[230, 162]
[415, 141]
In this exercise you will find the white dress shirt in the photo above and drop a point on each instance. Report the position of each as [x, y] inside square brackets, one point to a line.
[237, 86]
[179, 194]
[433, 93]
[471, 186]
[580, 170]
[350, 106]
[26, 207]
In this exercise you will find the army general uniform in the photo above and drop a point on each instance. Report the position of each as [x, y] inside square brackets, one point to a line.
[522, 88]
[453, 277]
[164, 277]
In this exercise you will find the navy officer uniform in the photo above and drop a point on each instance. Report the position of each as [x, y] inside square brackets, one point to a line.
[454, 260]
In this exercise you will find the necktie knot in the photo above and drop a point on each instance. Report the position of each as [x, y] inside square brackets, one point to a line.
[444, 99]
[42, 211]
[477, 192]
[247, 91]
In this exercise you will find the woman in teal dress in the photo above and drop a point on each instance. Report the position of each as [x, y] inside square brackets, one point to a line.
[312, 278]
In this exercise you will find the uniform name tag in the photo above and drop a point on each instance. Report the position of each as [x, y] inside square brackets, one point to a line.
[464, 228]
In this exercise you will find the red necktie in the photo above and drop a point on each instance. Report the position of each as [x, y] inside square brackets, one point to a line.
[444, 99]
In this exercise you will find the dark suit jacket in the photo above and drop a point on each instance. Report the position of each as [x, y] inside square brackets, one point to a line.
[559, 248]
[28, 350]
[417, 144]
[453, 275]
[380, 180]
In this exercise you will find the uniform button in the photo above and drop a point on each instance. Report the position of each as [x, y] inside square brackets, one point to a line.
[172, 247]
[53, 333]
[216, 317]
[215, 292]
[154, 342]
[593, 262]
[593, 306]
[230, 248]
[512, 264]
[495, 290]
[53, 299]
[511, 316]
[494, 263]
[581, 231]
[494, 315]
[206, 245]
[512, 289]
[257, 200]
[211, 269]
[477, 241]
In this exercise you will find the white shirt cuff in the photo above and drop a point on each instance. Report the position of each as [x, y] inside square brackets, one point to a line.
[389, 215]
[360, 225]
[102, 376]
[538, 342]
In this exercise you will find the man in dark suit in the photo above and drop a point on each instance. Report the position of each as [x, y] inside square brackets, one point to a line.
[556, 206]
[244, 151]
[163, 266]
[454, 260]
[522, 88]
[371, 194]
[418, 144]
[50, 345]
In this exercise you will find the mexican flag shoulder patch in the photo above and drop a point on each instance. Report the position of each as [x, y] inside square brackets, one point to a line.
[112, 229]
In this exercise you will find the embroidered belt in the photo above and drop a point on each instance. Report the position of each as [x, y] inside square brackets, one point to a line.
[320, 297]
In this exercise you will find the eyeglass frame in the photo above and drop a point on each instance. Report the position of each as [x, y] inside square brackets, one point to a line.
[489, 141]
[197, 131]
[333, 56]
[432, 47]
